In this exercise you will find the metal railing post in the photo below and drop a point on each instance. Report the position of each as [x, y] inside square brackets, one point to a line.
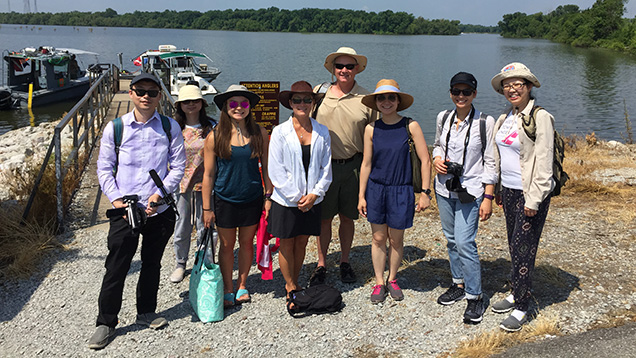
[57, 140]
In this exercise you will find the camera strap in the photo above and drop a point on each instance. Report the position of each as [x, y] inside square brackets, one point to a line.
[467, 139]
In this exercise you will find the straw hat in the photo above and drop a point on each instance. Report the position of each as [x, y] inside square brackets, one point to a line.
[298, 87]
[190, 93]
[512, 70]
[236, 90]
[388, 86]
[346, 51]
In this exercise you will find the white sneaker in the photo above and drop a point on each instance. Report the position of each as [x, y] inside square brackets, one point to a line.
[177, 275]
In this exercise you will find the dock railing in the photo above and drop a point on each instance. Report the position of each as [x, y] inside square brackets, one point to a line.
[86, 120]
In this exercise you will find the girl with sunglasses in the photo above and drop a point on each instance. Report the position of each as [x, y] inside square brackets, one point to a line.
[195, 125]
[464, 187]
[300, 170]
[386, 194]
[231, 155]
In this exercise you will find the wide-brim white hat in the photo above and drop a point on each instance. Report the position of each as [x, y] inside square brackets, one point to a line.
[512, 70]
[388, 86]
[190, 93]
[346, 51]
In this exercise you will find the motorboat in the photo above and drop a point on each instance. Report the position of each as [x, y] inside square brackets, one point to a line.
[179, 67]
[55, 74]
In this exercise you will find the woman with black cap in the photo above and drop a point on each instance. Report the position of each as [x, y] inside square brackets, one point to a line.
[464, 188]
[300, 170]
[231, 156]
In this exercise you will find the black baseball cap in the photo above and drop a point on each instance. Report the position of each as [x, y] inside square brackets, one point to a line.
[464, 78]
[145, 77]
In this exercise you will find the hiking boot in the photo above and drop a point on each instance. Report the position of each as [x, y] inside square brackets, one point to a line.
[511, 324]
[346, 273]
[177, 275]
[151, 320]
[394, 290]
[379, 294]
[318, 277]
[503, 306]
[452, 295]
[101, 337]
[475, 310]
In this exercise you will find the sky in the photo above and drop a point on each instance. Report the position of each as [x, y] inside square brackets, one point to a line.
[478, 12]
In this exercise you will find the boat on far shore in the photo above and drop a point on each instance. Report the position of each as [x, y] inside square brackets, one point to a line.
[54, 72]
[179, 67]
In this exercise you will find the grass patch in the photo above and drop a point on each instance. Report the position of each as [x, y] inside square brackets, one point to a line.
[486, 343]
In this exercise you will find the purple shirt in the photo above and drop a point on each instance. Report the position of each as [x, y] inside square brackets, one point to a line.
[144, 146]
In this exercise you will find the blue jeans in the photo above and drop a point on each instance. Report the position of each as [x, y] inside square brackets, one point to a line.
[459, 223]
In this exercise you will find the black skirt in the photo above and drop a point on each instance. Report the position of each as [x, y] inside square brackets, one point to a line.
[289, 222]
[230, 215]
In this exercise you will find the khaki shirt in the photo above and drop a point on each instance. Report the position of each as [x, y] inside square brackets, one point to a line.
[346, 118]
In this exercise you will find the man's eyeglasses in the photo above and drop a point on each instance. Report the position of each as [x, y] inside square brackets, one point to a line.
[340, 66]
[298, 100]
[515, 86]
[142, 92]
[382, 98]
[244, 104]
[466, 92]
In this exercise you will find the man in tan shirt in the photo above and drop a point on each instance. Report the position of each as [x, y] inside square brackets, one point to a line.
[342, 111]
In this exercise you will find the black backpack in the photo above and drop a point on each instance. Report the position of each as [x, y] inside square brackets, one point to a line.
[314, 300]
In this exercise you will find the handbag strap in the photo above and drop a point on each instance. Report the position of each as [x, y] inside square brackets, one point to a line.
[207, 239]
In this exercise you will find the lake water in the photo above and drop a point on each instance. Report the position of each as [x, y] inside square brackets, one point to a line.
[584, 89]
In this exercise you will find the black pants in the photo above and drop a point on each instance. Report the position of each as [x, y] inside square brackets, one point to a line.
[122, 245]
[523, 241]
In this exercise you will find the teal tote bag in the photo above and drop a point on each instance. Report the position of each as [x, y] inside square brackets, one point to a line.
[206, 282]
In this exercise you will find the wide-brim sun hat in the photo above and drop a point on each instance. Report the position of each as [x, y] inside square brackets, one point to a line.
[388, 86]
[236, 90]
[512, 70]
[301, 87]
[346, 51]
[190, 93]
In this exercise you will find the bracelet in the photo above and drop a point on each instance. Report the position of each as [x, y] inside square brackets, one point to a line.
[488, 196]
[207, 209]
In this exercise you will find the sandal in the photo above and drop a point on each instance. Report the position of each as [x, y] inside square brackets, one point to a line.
[228, 300]
[291, 307]
[240, 293]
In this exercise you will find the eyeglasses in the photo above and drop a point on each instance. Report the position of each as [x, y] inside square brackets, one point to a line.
[382, 98]
[515, 86]
[191, 101]
[466, 92]
[244, 104]
[349, 66]
[298, 100]
[142, 92]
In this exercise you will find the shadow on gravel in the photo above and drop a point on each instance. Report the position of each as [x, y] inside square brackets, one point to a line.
[19, 291]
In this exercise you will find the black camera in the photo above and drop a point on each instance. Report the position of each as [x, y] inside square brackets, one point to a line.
[135, 215]
[453, 168]
[454, 184]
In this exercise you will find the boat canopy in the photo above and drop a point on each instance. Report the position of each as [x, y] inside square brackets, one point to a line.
[180, 54]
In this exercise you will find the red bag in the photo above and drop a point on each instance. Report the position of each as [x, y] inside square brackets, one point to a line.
[263, 250]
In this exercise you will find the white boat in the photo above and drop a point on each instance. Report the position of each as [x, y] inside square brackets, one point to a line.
[178, 67]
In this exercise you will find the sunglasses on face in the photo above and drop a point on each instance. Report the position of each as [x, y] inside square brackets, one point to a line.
[466, 92]
[340, 66]
[191, 101]
[244, 104]
[142, 92]
[298, 100]
[516, 86]
[382, 98]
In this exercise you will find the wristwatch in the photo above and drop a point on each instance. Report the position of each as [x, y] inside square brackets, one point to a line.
[427, 192]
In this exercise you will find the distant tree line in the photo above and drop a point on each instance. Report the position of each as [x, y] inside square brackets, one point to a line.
[602, 25]
[271, 19]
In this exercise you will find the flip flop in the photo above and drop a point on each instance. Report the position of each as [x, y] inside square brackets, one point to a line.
[228, 297]
[240, 293]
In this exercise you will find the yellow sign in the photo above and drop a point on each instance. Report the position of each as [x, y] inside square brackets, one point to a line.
[266, 111]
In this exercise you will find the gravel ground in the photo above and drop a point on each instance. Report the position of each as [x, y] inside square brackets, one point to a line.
[584, 278]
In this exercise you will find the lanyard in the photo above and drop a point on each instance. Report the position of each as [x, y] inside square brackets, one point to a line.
[467, 139]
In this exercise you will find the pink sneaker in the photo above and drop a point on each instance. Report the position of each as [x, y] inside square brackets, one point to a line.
[379, 294]
[395, 290]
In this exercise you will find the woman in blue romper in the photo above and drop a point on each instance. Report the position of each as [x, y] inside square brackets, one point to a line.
[386, 194]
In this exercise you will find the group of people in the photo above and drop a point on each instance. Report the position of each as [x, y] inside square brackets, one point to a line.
[344, 151]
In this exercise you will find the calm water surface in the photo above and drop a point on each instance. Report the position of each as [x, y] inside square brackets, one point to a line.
[584, 89]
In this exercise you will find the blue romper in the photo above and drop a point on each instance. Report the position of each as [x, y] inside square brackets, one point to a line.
[389, 194]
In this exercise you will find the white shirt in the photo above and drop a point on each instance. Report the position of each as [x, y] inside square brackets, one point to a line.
[507, 140]
[285, 164]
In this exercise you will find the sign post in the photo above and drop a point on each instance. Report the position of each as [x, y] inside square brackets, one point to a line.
[266, 111]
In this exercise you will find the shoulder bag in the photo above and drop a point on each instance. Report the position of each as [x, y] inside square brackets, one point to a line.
[206, 282]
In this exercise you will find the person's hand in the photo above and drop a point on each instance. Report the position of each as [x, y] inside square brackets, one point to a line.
[498, 200]
[439, 165]
[119, 203]
[485, 209]
[362, 207]
[307, 202]
[267, 205]
[423, 203]
[154, 198]
[529, 212]
[208, 218]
